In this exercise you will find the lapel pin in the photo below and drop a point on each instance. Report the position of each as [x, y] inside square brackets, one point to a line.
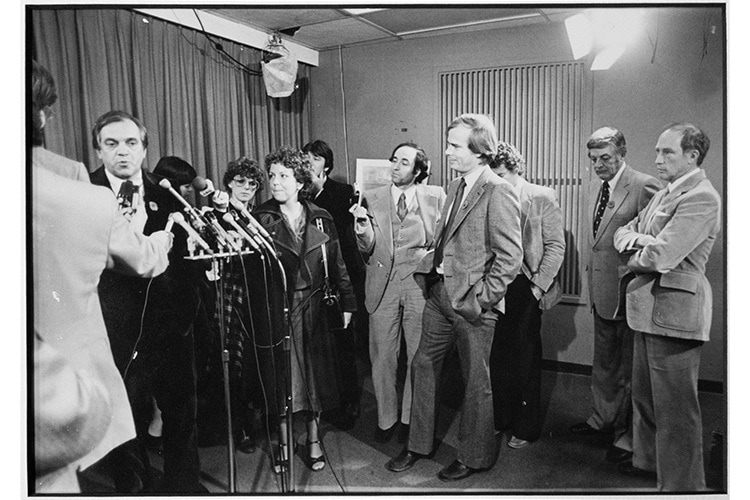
[153, 206]
[611, 204]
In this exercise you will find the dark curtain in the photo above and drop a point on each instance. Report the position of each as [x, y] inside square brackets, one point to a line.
[195, 101]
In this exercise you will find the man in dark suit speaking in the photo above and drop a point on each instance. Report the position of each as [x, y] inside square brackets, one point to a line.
[477, 255]
[149, 322]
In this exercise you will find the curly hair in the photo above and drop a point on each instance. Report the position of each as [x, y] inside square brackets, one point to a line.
[244, 167]
[509, 157]
[295, 160]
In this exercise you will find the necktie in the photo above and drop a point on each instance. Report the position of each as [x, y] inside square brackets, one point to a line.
[603, 200]
[454, 209]
[401, 207]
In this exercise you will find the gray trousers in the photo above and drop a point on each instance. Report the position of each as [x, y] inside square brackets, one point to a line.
[400, 308]
[441, 327]
[611, 375]
[667, 428]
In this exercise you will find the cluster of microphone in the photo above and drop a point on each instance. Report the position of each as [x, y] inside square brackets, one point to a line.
[207, 235]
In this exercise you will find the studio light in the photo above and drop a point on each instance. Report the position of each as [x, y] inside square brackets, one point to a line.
[607, 31]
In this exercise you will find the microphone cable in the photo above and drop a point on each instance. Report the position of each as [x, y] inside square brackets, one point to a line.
[134, 352]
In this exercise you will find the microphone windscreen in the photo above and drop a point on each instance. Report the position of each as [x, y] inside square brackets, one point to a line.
[178, 218]
[165, 183]
[199, 183]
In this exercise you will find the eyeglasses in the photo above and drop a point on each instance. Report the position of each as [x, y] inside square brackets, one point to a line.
[243, 181]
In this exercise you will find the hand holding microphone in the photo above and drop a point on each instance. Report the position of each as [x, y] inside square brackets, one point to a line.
[206, 188]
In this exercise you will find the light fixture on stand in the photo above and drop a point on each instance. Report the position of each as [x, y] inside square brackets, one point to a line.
[608, 32]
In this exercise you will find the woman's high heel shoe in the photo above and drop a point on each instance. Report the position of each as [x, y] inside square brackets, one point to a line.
[316, 463]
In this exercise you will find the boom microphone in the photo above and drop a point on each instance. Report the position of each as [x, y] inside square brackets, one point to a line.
[192, 233]
[241, 209]
[194, 214]
[230, 219]
[220, 232]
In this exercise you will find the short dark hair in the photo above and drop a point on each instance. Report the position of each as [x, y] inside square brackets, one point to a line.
[114, 117]
[320, 148]
[605, 136]
[508, 156]
[421, 163]
[244, 167]
[175, 169]
[693, 138]
[43, 95]
[483, 136]
[295, 160]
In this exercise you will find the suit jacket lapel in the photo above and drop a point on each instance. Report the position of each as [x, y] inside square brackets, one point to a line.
[616, 199]
[470, 200]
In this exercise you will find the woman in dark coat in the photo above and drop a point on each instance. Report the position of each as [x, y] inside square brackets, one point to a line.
[301, 231]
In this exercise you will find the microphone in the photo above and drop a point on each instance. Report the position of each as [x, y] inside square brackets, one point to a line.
[194, 214]
[192, 234]
[220, 233]
[125, 196]
[200, 184]
[228, 218]
[256, 235]
[262, 230]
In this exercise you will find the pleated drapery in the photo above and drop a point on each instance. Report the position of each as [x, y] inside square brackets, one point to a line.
[195, 101]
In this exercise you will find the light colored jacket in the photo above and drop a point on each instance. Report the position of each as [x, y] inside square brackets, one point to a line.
[543, 239]
[77, 233]
[667, 290]
[375, 240]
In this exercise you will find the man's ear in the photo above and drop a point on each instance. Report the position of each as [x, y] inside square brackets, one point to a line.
[42, 119]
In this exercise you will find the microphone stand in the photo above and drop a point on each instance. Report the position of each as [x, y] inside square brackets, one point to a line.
[231, 472]
[287, 472]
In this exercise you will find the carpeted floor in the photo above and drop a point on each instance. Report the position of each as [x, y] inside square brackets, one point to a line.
[558, 463]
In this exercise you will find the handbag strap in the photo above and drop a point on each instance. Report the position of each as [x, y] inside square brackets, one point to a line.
[319, 223]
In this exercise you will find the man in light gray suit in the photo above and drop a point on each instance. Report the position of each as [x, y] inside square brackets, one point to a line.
[617, 196]
[394, 233]
[516, 357]
[668, 304]
[477, 255]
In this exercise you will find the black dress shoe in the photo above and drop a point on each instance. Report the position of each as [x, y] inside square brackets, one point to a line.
[584, 429]
[384, 435]
[403, 433]
[617, 455]
[404, 461]
[455, 471]
[628, 469]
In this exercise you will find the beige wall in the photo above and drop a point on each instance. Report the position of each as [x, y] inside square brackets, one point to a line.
[391, 93]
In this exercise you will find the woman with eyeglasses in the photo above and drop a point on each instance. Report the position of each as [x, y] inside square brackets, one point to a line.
[243, 180]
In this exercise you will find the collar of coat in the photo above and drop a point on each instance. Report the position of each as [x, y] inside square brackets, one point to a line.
[314, 238]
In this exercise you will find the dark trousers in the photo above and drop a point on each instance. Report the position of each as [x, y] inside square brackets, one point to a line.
[516, 363]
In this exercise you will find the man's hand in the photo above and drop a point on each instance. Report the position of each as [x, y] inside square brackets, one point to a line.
[209, 189]
[220, 200]
[537, 291]
[128, 212]
[347, 319]
[360, 214]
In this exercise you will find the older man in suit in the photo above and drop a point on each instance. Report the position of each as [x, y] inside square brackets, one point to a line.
[668, 306]
[149, 322]
[477, 255]
[516, 358]
[617, 196]
[394, 233]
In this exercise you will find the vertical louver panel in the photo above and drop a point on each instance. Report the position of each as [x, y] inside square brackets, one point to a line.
[540, 109]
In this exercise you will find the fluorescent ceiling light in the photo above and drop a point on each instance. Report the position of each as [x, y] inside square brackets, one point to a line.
[359, 12]
[580, 35]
